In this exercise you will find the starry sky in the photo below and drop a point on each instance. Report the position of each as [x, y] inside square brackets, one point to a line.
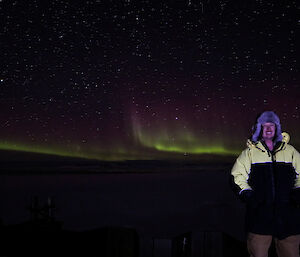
[116, 80]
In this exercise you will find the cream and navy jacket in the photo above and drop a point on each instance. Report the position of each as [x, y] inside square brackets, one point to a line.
[272, 175]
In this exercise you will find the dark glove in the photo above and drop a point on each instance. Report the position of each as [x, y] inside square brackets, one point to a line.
[248, 196]
[295, 197]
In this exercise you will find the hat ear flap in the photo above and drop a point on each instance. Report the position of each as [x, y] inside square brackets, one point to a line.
[278, 133]
[257, 130]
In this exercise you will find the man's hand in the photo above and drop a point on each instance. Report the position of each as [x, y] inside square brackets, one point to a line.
[248, 197]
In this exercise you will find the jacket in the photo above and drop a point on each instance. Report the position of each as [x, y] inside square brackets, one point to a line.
[272, 175]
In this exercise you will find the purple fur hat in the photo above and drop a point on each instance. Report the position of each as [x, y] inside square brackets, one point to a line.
[267, 116]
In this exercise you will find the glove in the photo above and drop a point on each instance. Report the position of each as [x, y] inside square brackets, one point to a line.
[295, 197]
[248, 196]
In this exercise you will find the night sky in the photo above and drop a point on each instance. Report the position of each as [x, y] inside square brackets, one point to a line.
[125, 79]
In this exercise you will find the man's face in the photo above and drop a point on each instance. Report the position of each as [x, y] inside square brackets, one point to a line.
[269, 129]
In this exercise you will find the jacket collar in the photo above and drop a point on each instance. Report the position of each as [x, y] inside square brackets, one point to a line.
[281, 145]
[277, 147]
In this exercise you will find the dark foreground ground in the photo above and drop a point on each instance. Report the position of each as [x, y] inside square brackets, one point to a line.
[30, 239]
[145, 209]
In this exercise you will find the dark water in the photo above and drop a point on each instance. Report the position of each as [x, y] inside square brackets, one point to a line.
[157, 205]
[152, 202]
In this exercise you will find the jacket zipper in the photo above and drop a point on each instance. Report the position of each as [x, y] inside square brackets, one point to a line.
[271, 154]
[273, 178]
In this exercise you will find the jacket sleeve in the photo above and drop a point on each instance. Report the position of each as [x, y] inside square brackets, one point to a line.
[296, 165]
[241, 170]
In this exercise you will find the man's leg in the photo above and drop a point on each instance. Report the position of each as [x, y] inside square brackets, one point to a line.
[258, 245]
[288, 247]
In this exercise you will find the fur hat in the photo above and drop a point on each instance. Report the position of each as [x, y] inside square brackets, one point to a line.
[267, 116]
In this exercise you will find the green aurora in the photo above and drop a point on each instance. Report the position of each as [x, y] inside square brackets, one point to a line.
[60, 151]
[175, 141]
[155, 143]
[153, 149]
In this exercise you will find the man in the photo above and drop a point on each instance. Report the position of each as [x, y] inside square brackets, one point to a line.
[267, 177]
